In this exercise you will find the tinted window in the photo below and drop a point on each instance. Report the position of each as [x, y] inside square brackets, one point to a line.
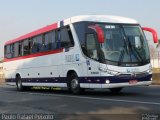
[34, 45]
[49, 42]
[46, 42]
[80, 30]
[25, 47]
[66, 38]
[16, 50]
[20, 49]
[39, 43]
[8, 51]
[53, 43]
[91, 47]
[12, 50]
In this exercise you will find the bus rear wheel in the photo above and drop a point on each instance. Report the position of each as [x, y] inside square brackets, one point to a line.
[19, 85]
[74, 85]
[115, 90]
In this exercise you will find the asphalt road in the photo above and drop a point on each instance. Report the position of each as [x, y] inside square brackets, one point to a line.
[131, 103]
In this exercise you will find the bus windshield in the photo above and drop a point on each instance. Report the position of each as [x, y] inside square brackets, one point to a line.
[124, 45]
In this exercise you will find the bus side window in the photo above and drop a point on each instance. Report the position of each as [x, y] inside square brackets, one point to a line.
[70, 37]
[46, 42]
[20, 49]
[39, 43]
[66, 37]
[12, 50]
[8, 53]
[52, 37]
[91, 46]
[49, 41]
[80, 29]
[16, 50]
[25, 48]
[30, 45]
[58, 39]
[34, 45]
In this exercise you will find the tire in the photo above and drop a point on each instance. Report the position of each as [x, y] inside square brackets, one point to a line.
[74, 85]
[115, 90]
[19, 84]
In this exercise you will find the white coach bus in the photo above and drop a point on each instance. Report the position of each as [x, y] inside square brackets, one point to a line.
[88, 51]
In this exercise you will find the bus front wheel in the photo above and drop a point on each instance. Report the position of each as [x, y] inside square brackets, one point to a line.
[74, 85]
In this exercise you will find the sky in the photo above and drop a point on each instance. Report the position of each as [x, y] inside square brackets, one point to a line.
[18, 17]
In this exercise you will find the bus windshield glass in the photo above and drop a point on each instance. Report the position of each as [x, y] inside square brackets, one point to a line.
[124, 45]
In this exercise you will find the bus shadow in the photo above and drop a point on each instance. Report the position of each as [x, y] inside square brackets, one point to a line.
[126, 92]
[87, 92]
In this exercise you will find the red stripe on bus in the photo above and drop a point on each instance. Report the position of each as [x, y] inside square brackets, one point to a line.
[34, 55]
[34, 33]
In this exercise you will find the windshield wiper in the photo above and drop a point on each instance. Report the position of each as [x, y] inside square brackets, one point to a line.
[137, 55]
[125, 48]
[121, 56]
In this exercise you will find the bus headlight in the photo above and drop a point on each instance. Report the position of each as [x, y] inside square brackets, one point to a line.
[149, 71]
[103, 69]
[107, 81]
[111, 72]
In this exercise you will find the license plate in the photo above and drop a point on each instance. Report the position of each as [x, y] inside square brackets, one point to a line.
[133, 81]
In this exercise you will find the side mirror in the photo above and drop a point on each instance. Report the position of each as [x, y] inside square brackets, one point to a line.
[99, 31]
[154, 33]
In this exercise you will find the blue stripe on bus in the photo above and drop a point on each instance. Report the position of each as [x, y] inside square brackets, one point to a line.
[102, 80]
[98, 80]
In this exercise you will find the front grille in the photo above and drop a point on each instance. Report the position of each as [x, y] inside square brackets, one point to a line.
[133, 75]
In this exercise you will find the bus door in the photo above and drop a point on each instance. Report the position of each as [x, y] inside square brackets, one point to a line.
[93, 57]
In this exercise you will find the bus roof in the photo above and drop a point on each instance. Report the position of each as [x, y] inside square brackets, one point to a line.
[103, 18]
[89, 18]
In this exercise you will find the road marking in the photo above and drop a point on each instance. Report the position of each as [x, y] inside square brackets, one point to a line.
[104, 99]
[84, 97]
